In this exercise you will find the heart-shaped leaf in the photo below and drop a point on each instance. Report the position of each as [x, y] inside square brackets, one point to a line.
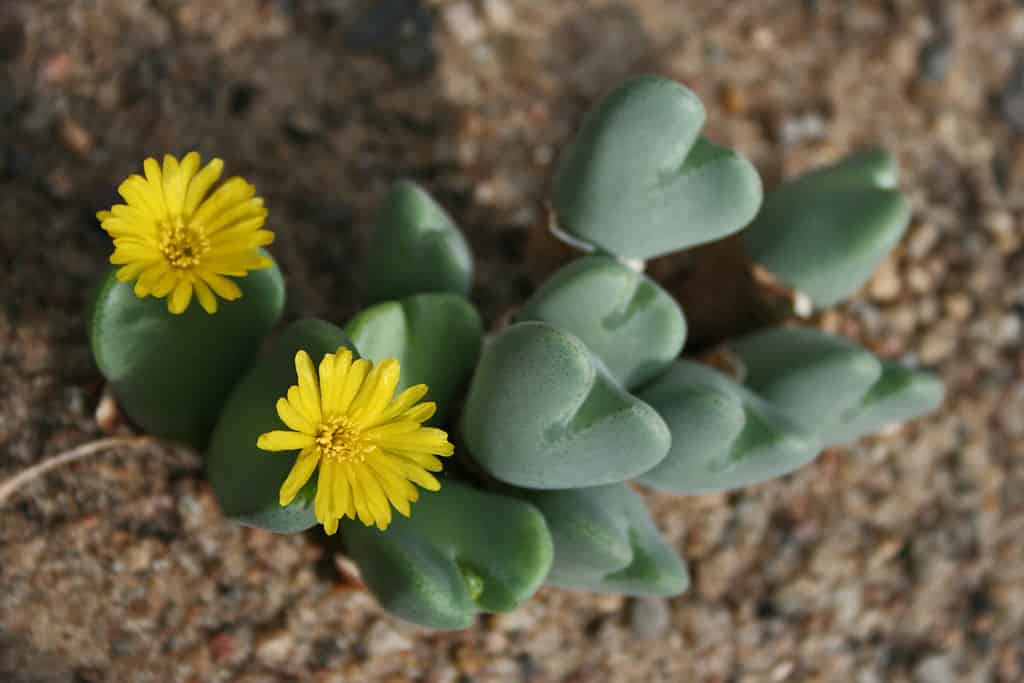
[825, 233]
[900, 394]
[172, 373]
[461, 551]
[542, 412]
[638, 180]
[634, 326]
[605, 541]
[811, 377]
[415, 247]
[245, 479]
[436, 338]
[723, 435]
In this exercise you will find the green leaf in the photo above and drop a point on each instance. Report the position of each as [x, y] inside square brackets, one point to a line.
[638, 181]
[415, 247]
[605, 541]
[634, 326]
[172, 373]
[245, 479]
[542, 412]
[899, 395]
[825, 233]
[460, 551]
[811, 377]
[435, 337]
[723, 435]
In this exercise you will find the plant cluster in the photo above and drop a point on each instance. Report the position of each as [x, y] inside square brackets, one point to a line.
[550, 416]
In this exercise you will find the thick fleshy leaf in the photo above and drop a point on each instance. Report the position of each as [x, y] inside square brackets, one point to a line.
[172, 373]
[723, 435]
[436, 338]
[639, 181]
[605, 541]
[542, 412]
[900, 394]
[633, 325]
[811, 377]
[460, 552]
[825, 233]
[246, 479]
[415, 247]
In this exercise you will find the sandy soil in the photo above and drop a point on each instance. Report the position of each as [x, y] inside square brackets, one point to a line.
[897, 560]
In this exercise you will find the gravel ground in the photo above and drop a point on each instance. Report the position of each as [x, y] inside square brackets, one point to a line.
[896, 560]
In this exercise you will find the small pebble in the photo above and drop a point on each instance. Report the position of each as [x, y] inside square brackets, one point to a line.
[1012, 99]
[273, 648]
[462, 21]
[648, 617]
[76, 138]
[935, 58]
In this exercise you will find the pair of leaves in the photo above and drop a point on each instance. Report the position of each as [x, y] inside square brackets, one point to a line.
[639, 180]
[605, 541]
[462, 551]
[825, 232]
[544, 413]
[831, 386]
[172, 373]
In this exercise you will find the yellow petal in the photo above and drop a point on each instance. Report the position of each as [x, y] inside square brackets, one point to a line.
[377, 391]
[175, 183]
[154, 178]
[398, 489]
[303, 468]
[309, 390]
[420, 413]
[403, 402]
[324, 506]
[234, 191]
[425, 439]
[206, 298]
[375, 497]
[358, 497]
[293, 419]
[343, 495]
[325, 375]
[353, 382]
[280, 440]
[332, 390]
[221, 286]
[180, 297]
[201, 184]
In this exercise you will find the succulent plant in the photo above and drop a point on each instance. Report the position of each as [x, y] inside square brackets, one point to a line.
[552, 417]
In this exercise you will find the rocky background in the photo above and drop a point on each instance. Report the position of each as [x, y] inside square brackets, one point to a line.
[897, 560]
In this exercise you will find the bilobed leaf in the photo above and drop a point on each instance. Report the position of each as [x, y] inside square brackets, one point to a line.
[899, 395]
[606, 541]
[542, 412]
[723, 435]
[460, 551]
[172, 373]
[633, 325]
[639, 181]
[825, 233]
[811, 377]
[415, 247]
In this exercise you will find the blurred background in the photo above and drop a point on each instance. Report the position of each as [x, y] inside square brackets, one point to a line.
[899, 559]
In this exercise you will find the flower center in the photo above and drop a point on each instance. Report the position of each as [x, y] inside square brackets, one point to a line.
[340, 439]
[181, 243]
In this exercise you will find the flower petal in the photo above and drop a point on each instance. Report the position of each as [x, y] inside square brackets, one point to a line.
[309, 389]
[181, 297]
[281, 440]
[294, 419]
[201, 184]
[298, 476]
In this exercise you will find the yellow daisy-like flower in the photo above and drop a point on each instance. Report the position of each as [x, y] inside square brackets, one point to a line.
[174, 237]
[369, 444]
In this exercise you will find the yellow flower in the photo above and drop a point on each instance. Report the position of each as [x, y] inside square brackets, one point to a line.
[368, 443]
[174, 237]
